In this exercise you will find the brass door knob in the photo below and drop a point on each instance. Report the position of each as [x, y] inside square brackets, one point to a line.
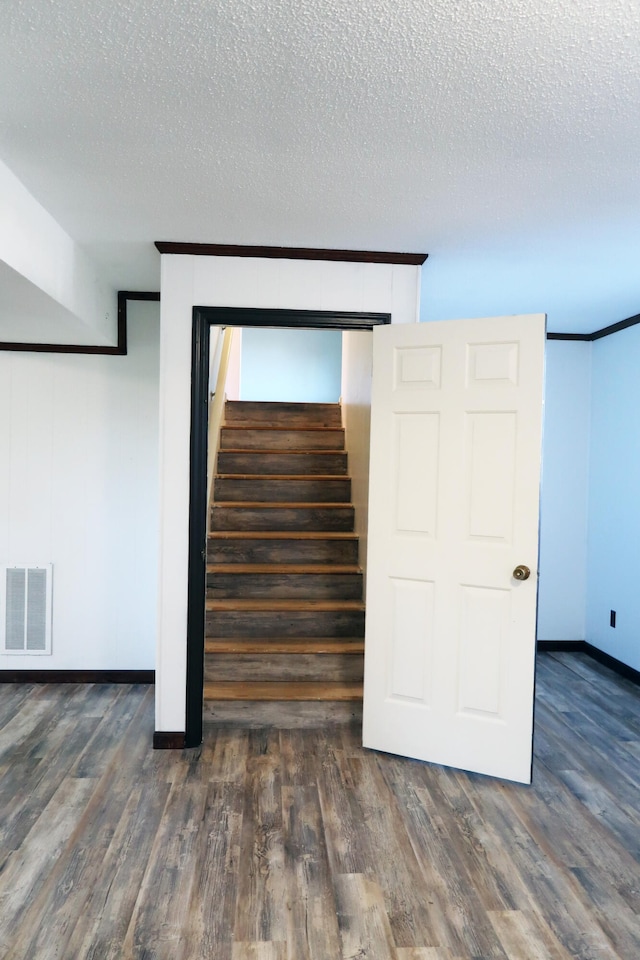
[521, 572]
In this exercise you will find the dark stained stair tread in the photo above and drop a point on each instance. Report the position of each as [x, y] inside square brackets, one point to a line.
[305, 477]
[283, 427]
[288, 452]
[287, 690]
[297, 423]
[284, 606]
[278, 505]
[279, 568]
[317, 645]
[282, 534]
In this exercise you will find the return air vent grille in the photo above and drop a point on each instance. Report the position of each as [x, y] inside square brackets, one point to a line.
[25, 609]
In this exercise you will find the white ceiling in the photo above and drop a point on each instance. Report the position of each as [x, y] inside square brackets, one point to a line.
[500, 136]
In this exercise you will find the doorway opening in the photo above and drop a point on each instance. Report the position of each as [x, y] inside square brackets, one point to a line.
[203, 319]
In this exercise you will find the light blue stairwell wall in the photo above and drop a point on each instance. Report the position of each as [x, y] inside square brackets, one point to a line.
[564, 491]
[301, 366]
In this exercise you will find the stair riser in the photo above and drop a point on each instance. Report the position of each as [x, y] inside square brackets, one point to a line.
[285, 414]
[291, 586]
[303, 623]
[233, 439]
[282, 491]
[282, 551]
[281, 518]
[293, 464]
[348, 667]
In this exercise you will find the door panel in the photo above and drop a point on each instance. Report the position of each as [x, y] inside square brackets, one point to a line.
[454, 491]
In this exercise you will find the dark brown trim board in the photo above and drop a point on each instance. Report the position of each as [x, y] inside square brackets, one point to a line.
[169, 740]
[77, 676]
[582, 646]
[550, 645]
[616, 327]
[120, 350]
[616, 665]
[123, 298]
[569, 336]
[275, 317]
[203, 319]
[598, 334]
[289, 253]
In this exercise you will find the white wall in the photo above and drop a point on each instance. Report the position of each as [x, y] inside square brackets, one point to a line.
[614, 497]
[233, 282]
[357, 363]
[79, 488]
[297, 366]
[565, 476]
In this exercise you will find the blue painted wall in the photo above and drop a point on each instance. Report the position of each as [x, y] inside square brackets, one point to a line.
[564, 492]
[530, 278]
[291, 365]
[613, 580]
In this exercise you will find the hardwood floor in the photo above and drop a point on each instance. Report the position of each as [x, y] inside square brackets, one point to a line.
[282, 839]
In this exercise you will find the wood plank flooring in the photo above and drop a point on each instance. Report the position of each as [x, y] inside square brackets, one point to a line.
[282, 839]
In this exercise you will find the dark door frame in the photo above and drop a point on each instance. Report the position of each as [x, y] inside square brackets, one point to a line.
[203, 319]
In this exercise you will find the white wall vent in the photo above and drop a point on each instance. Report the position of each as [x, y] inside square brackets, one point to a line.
[25, 608]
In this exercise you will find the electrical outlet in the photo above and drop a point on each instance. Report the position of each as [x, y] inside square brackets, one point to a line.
[612, 619]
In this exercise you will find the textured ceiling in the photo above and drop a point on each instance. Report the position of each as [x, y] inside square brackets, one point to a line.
[500, 136]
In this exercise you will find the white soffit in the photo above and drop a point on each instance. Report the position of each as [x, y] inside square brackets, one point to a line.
[499, 136]
[50, 291]
[28, 315]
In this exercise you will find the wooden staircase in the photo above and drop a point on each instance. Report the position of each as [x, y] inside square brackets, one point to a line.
[284, 613]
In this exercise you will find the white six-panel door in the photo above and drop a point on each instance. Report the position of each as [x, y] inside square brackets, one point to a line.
[454, 495]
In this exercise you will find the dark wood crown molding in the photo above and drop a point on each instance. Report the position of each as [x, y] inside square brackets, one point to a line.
[289, 253]
[616, 327]
[120, 350]
[598, 334]
[281, 317]
[569, 336]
